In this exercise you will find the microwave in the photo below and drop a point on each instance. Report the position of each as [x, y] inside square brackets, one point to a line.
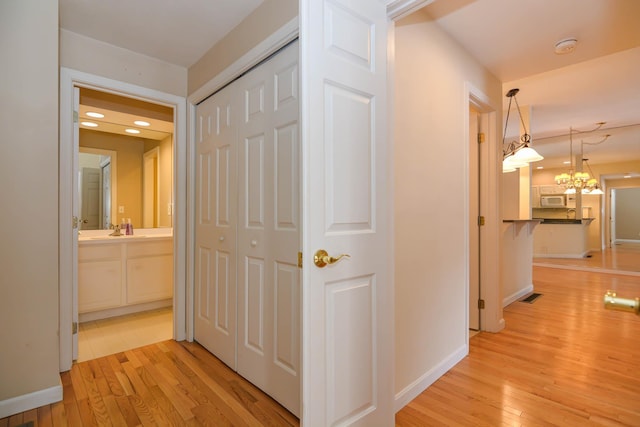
[557, 201]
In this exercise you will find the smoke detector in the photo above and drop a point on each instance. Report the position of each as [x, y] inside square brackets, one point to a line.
[566, 46]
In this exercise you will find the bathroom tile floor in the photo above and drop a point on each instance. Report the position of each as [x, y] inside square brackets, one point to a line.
[108, 336]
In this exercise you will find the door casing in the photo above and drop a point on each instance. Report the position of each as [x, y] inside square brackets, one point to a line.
[70, 79]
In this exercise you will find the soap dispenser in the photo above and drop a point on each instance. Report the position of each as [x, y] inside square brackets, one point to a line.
[129, 227]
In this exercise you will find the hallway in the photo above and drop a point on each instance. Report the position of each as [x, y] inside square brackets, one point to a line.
[562, 360]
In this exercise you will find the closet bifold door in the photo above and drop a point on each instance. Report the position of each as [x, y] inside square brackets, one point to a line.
[269, 229]
[248, 283]
[216, 222]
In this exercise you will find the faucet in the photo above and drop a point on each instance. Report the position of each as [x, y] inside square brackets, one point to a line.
[116, 232]
[569, 213]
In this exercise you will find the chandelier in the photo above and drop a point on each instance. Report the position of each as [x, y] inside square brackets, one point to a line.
[517, 154]
[579, 180]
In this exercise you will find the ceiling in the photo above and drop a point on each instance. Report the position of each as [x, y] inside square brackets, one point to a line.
[178, 32]
[599, 81]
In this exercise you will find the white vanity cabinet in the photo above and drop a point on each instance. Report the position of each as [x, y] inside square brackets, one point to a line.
[99, 277]
[124, 275]
[149, 271]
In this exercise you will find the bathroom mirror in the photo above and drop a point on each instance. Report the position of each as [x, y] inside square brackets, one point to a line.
[125, 162]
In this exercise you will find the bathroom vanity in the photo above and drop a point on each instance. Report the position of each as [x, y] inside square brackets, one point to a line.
[124, 274]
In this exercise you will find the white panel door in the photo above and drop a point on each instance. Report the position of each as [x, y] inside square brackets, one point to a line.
[216, 219]
[474, 227]
[348, 305]
[269, 229]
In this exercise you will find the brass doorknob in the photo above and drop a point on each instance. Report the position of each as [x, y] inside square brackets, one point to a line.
[321, 258]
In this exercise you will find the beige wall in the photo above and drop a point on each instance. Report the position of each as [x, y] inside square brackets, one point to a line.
[29, 187]
[129, 174]
[264, 21]
[429, 194]
[627, 208]
[96, 57]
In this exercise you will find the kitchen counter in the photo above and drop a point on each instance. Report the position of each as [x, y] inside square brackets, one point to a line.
[561, 238]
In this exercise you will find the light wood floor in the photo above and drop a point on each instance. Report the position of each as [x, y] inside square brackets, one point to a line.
[562, 360]
[623, 258]
[169, 383]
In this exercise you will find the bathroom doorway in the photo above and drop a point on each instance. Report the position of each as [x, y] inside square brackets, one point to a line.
[122, 302]
[119, 292]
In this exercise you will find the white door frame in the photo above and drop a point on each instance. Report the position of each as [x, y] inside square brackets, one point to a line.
[491, 318]
[69, 79]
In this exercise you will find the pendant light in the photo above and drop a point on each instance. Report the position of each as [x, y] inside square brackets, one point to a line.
[517, 152]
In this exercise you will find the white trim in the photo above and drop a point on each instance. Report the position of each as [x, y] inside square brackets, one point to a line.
[397, 9]
[517, 295]
[285, 34]
[124, 310]
[30, 401]
[572, 255]
[588, 269]
[491, 318]
[68, 79]
[414, 389]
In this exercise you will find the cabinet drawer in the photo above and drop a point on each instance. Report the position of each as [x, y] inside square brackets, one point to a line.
[142, 249]
[98, 252]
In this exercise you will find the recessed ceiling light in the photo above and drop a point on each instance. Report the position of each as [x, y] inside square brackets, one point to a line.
[627, 176]
[95, 115]
[540, 167]
[566, 162]
[134, 131]
[89, 124]
[566, 46]
[142, 123]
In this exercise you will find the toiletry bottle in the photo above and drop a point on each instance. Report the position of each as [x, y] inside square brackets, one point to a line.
[129, 227]
[123, 226]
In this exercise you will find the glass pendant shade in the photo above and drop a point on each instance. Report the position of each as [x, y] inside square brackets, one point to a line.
[527, 155]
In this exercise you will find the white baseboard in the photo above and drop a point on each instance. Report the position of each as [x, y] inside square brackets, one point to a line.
[517, 295]
[570, 255]
[30, 401]
[121, 311]
[418, 386]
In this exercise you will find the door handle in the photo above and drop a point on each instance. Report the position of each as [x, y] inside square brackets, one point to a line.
[321, 258]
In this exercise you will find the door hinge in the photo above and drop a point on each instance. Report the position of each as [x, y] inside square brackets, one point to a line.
[74, 222]
[480, 138]
[481, 304]
[75, 116]
[74, 328]
[480, 220]
[299, 259]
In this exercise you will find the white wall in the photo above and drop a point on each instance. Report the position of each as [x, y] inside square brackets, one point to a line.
[29, 213]
[92, 56]
[429, 197]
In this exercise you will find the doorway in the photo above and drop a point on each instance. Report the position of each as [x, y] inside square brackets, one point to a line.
[124, 282]
[70, 83]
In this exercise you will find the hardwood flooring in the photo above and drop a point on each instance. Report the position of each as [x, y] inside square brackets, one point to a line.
[622, 258]
[563, 360]
[169, 383]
